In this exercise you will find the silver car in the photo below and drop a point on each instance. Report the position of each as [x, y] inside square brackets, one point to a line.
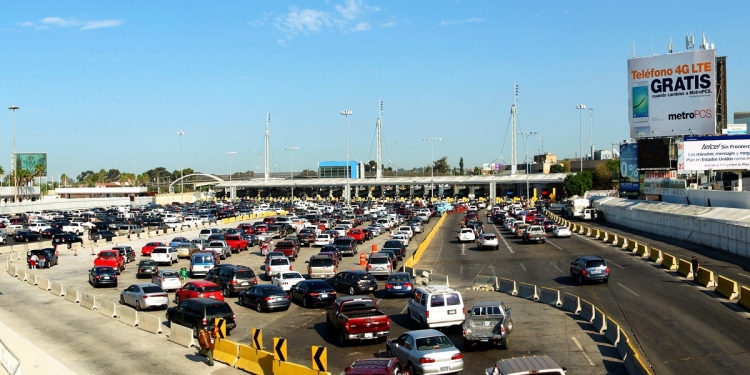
[428, 351]
[379, 265]
[144, 296]
[488, 240]
[167, 280]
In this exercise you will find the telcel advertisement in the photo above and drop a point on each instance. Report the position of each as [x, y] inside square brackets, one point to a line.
[673, 94]
[629, 184]
[717, 153]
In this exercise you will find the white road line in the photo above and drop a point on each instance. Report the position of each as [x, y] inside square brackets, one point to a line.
[524, 268]
[558, 268]
[551, 243]
[404, 309]
[586, 355]
[505, 242]
[626, 288]
[611, 262]
[742, 274]
[463, 249]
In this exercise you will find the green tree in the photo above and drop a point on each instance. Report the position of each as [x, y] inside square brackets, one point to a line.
[461, 165]
[557, 168]
[84, 175]
[579, 183]
[441, 165]
[566, 165]
[63, 179]
[112, 175]
[477, 171]
[606, 174]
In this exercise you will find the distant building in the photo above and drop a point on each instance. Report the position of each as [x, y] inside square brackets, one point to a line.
[543, 162]
[603, 155]
[102, 192]
[338, 169]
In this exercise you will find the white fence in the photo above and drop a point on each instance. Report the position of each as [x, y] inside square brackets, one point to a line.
[10, 362]
[70, 204]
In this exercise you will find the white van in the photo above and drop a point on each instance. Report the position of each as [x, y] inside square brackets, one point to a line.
[436, 306]
[205, 233]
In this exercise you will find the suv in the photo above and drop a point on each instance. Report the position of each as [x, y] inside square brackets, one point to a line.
[197, 313]
[205, 233]
[346, 245]
[436, 306]
[127, 252]
[526, 365]
[589, 268]
[321, 267]
[379, 265]
[535, 233]
[232, 279]
[488, 240]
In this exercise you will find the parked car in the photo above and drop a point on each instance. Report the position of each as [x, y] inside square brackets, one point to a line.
[26, 236]
[487, 322]
[102, 276]
[526, 365]
[167, 280]
[198, 289]
[379, 265]
[50, 258]
[266, 297]
[276, 265]
[589, 268]
[346, 245]
[184, 251]
[233, 279]
[312, 293]
[397, 246]
[399, 284]
[149, 247]
[428, 351]
[164, 255]
[286, 280]
[197, 313]
[376, 366]
[354, 282]
[146, 267]
[144, 297]
[321, 266]
[110, 258]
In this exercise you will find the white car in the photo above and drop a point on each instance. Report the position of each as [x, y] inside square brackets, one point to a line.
[164, 254]
[286, 280]
[401, 237]
[561, 231]
[192, 221]
[407, 230]
[342, 230]
[323, 239]
[466, 235]
[167, 280]
[275, 266]
[481, 205]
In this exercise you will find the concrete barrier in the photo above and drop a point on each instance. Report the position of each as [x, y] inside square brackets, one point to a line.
[591, 233]
[484, 283]
[642, 250]
[705, 277]
[508, 286]
[56, 289]
[571, 303]
[528, 291]
[149, 323]
[632, 245]
[182, 336]
[655, 255]
[668, 261]
[622, 345]
[727, 288]
[129, 316]
[685, 268]
[43, 283]
[31, 278]
[226, 351]
[588, 311]
[107, 308]
[744, 297]
[600, 321]
[603, 236]
[613, 240]
[550, 296]
[436, 279]
[613, 332]
[88, 301]
[72, 295]
[13, 270]
[289, 368]
[634, 364]
[620, 242]
[254, 361]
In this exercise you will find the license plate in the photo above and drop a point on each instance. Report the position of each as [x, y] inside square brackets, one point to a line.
[486, 322]
[324, 295]
[446, 368]
[379, 269]
[368, 335]
[211, 297]
[245, 283]
[451, 312]
[106, 277]
[372, 288]
[397, 287]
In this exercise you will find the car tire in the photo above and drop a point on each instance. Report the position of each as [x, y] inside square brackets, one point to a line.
[138, 306]
[122, 300]
[226, 292]
[258, 307]
[351, 290]
[423, 324]
[242, 301]
[504, 343]
[342, 338]
[306, 303]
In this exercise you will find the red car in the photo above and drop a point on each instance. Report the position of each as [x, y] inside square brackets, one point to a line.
[248, 228]
[357, 234]
[146, 250]
[199, 289]
[236, 243]
[110, 258]
[376, 366]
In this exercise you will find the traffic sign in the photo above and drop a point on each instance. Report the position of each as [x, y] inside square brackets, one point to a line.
[320, 358]
[257, 342]
[279, 349]
[222, 327]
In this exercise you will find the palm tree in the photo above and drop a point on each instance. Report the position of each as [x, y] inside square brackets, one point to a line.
[39, 171]
[63, 179]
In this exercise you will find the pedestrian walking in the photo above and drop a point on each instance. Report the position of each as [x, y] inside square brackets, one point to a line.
[696, 265]
[206, 339]
[183, 275]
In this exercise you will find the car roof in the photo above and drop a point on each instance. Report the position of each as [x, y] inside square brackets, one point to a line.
[206, 301]
[592, 257]
[529, 364]
[144, 285]
[425, 333]
[203, 283]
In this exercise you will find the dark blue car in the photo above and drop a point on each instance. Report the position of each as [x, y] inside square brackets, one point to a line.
[399, 284]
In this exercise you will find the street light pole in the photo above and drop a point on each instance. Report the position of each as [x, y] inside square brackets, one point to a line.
[432, 168]
[182, 186]
[346, 113]
[230, 153]
[13, 109]
[526, 160]
[580, 108]
[291, 167]
[591, 131]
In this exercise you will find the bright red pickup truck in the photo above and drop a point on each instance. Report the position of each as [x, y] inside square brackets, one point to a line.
[357, 318]
[236, 243]
[110, 258]
[357, 234]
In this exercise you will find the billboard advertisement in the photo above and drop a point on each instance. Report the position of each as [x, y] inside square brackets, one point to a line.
[665, 186]
[629, 170]
[673, 94]
[653, 154]
[28, 161]
[718, 153]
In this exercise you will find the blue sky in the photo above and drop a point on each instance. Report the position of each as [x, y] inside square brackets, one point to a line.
[100, 84]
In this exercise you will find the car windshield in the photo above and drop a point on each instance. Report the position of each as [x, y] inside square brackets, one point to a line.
[489, 237]
[399, 278]
[146, 263]
[158, 251]
[203, 259]
[594, 263]
[392, 244]
[209, 288]
[104, 270]
[358, 305]
[364, 276]
[271, 289]
[343, 241]
[244, 274]
[486, 310]
[321, 262]
[218, 309]
[152, 289]
[169, 274]
[379, 260]
[279, 262]
[107, 254]
[431, 343]
[318, 285]
[291, 275]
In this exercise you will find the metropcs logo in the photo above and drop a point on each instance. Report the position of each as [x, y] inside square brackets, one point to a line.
[698, 113]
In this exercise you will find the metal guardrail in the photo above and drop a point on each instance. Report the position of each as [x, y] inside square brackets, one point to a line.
[10, 362]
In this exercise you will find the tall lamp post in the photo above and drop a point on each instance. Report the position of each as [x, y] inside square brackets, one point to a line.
[580, 108]
[591, 131]
[182, 186]
[346, 113]
[291, 168]
[432, 168]
[525, 136]
[13, 109]
[230, 153]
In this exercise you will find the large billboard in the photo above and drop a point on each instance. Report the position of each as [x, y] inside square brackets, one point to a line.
[653, 154]
[28, 161]
[629, 171]
[723, 152]
[673, 94]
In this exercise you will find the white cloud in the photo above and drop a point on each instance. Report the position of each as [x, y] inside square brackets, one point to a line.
[27, 24]
[457, 22]
[57, 21]
[348, 17]
[101, 24]
[362, 26]
[71, 22]
[303, 21]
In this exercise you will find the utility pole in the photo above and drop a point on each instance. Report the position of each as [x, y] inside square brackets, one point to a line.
[13, 109]
[513, 150]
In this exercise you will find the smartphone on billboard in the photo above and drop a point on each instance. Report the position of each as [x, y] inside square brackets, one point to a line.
[640, 101]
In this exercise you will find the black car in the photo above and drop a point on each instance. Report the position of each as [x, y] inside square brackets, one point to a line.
[26, 236]
[66, 239]
[589, 268]
[232, 279]
[331, 249]
[127, 252]
[266, 297]
[197, 313]
[50, 259]
[313, 293]
[50, 232]
[306, 237]
[59, 224]
[354, 282]
[368, 233]
[252, 240]
[106, 235]
[346, 245]
[102, 276]
[146, 267]
[397, 246]
[392, 256]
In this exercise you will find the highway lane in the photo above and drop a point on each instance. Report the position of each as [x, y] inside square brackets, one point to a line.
[680, 328]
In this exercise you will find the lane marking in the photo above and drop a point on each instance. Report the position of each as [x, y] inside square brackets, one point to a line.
[463, 248]
[524, 268]
[586, 355]
[558, 268]
[404, 309]
[504, 241]
[611, 262]
[553, 244]
[461, 270]
[626, 288]
[742, 274]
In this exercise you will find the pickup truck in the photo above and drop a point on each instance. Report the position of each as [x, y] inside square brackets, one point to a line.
[306, 237]
[487, 322]
[236, 243]
[219, 247]
[357, 234]
[289, 249]
[357, 318]
[535, 233]
[110, 258]
[76, 228]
